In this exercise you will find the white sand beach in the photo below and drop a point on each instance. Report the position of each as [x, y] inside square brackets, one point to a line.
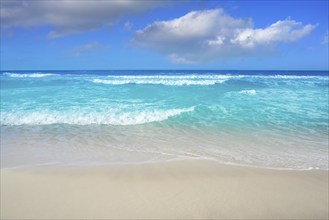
[171, 190]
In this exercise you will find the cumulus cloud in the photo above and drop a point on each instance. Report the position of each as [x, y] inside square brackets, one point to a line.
[281, 31]
[206, 35]
[68, 17]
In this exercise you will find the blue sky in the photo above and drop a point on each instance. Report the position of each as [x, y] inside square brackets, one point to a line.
[234, 35]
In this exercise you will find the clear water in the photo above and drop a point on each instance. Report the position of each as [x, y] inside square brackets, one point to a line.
[273, 119]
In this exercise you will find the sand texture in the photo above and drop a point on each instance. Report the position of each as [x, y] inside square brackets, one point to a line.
[173, 190]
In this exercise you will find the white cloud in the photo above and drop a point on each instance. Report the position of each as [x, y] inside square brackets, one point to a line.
[179, 59]
[201, 36]
[281, 31]
[189, 31]
[128, 26]
[87, 48]
[326, 38]
[68, 17]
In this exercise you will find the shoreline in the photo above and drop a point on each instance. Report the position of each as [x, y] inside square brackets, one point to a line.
[143, 163]
[200, 189]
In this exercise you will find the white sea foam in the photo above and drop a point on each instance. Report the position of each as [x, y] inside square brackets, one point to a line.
[111, 117]
[28, 75]
[199, 77]
[170, 82]
[174, 77]
[297, 77]
[283, 77]
[248, 92]
[213, 76]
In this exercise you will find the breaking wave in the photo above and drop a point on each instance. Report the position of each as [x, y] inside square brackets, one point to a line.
[181, 82]
[28, 75]
[87, 118]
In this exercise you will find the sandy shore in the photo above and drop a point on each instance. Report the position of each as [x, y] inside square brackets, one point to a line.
[182, 189]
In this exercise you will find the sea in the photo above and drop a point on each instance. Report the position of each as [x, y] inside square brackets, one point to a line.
[268, 119]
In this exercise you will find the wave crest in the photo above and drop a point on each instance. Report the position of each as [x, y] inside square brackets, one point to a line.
[88, 118]
[28, 75]
[193, 79]
[248, 92]
[173, 82]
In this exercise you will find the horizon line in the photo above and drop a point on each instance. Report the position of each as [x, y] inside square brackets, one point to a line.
[165, 70]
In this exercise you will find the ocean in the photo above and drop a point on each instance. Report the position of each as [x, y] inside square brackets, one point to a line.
[268, 119]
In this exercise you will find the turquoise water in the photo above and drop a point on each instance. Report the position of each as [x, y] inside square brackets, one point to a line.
[273, 119]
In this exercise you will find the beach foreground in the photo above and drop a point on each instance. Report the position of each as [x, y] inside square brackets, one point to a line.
[180, 189]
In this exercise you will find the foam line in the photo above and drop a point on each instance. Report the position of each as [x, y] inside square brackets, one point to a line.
[28, 75]
[87, 118]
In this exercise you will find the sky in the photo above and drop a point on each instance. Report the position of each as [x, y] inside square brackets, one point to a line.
[137, 34]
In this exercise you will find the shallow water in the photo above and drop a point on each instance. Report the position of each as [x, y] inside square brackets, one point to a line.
[274, 119]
